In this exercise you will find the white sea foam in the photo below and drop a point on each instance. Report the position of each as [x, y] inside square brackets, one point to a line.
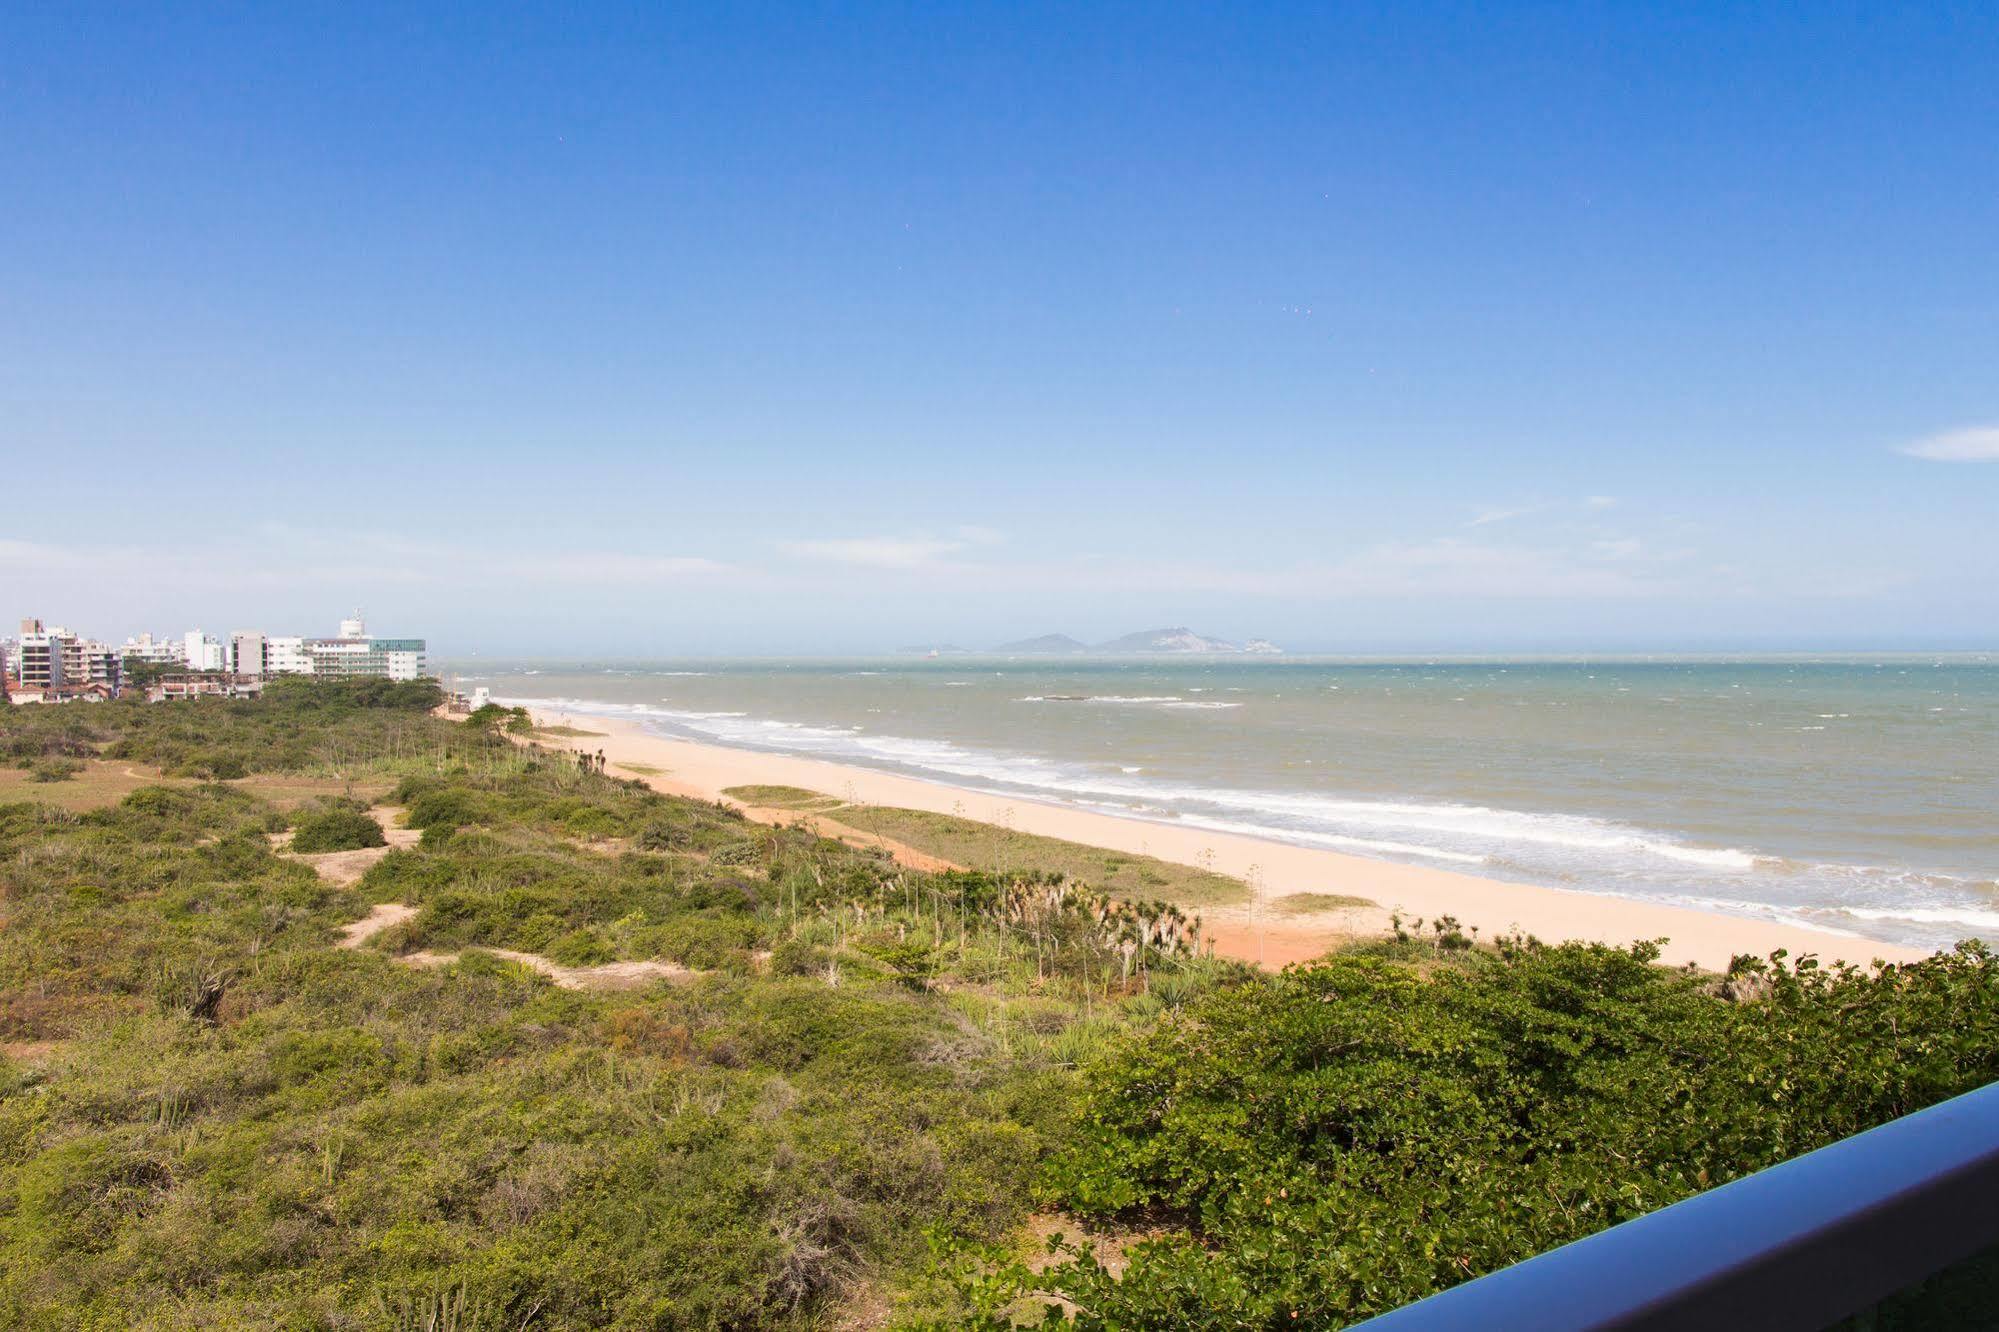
[1362, 844]
[1127, 700]
[1971, 916]
[1537, 846]
[1466, 834]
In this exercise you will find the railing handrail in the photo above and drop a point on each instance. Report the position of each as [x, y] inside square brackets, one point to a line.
[1798, 1245]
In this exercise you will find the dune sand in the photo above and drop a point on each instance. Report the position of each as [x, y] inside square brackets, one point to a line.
[1274, 869]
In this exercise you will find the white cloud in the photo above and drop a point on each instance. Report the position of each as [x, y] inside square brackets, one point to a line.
[1600, 502]
[1483, 516]
[293, 556]
[881, 552]
[1448, 568]
[1617, 548]
[1454, 568]
[612, 567]
[1971, 444]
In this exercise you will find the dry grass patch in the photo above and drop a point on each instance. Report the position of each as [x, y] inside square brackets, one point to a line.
[100, 785]
[987, 846]
[1310, 904]
[784, 797]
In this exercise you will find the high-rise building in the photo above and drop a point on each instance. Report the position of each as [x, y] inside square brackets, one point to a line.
[54, 659]
[344, 657]
[352, 653]
[205, 652]
[248, 653]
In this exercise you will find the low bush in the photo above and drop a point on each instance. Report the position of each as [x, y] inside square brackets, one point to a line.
[54, 770]
[337, 830]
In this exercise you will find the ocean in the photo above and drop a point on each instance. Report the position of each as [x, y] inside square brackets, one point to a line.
[1852, 794]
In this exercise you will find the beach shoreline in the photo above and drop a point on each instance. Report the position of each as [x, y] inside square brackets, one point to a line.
[1273, 869]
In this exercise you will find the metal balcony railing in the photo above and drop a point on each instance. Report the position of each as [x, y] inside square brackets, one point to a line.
[1802, 1245]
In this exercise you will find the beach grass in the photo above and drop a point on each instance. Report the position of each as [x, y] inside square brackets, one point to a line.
[102, 783]
[987, 846]
[566, 732]
[1307, 904]
[766, 796]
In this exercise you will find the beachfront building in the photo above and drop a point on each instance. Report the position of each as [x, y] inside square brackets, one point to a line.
[54, 664]
[205, 652]
[346, 658]
[350, 654]
[285, 654]
[155, 651]
[248, 653]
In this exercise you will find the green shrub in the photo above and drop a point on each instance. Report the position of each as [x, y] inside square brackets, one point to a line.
[212, 765]
[581, 948]
[664, 836]
[448, 806]
[705, 942]
[796, 957]
[337, 830]
[1349, 1137]
[54, 770]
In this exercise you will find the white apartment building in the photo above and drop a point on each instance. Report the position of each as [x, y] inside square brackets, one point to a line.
[205, 652]
[286, 655]
[349, 655]
[53, 658]
[155, 651]
[345, 657]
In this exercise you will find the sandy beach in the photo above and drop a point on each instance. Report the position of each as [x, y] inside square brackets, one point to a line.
[1273, 869]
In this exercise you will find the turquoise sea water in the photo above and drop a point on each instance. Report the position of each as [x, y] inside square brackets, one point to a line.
[1853, 794]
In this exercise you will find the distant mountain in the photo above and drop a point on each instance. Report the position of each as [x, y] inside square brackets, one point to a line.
[1263, 647]
[1180, 639]
[1046, 643]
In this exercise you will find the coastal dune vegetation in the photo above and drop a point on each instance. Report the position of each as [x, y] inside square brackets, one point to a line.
[572, 1053]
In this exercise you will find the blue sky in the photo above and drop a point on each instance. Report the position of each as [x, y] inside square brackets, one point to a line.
[786, 328]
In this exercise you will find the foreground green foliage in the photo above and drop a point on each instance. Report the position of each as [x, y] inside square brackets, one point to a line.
[215, 1119]
[1353, 1136]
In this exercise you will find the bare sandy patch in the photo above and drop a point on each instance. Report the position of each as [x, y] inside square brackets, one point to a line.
[381, 916]
[343, 869]
[609, 976]
[391, 819]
